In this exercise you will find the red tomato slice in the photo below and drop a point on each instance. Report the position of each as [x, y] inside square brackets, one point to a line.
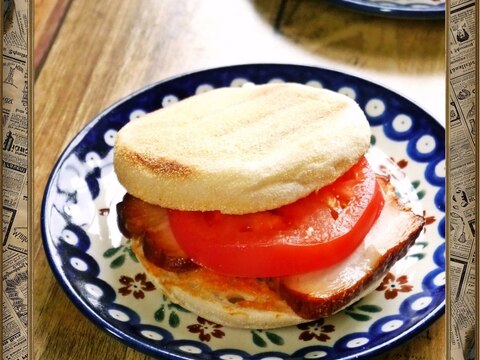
[312, 233]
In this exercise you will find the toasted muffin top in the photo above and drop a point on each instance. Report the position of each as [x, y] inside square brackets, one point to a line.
[241, 150]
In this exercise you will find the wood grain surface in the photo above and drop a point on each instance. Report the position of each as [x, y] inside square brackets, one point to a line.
[96, 52]
[48, 18]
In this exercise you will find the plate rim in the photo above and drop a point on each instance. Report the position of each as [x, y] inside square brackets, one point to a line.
[127, 339]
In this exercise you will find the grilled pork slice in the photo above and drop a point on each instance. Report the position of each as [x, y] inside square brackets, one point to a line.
[149, 224]
[327, 291]
[274, 302]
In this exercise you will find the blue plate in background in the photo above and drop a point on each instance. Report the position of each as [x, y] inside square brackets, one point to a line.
[407, 9]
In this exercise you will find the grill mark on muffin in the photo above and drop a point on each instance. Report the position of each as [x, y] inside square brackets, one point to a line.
[285, 132]
[289, 131]
[161, 165]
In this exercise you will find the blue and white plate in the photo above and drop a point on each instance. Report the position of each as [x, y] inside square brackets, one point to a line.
[101, 275]
[410, 9]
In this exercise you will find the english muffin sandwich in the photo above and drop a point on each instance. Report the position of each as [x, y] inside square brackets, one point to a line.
[256, 207]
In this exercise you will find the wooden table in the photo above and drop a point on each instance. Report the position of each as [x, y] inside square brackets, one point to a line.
[91, 53]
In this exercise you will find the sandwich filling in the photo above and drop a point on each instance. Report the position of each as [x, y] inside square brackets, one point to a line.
[308, 295]
[314, 232]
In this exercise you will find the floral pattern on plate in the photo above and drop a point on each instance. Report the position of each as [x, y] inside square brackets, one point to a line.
[95, 266]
